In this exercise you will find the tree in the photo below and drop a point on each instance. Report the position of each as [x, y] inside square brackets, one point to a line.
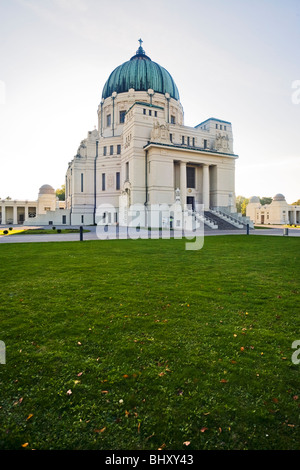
[297, 203]
[241, 204]
[265, 200]
[61, 193]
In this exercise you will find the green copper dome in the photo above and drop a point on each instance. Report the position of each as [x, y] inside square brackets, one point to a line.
[142, 74]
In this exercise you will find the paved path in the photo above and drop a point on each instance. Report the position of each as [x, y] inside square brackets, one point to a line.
[97, 233]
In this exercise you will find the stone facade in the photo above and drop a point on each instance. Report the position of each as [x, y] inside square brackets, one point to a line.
[279, 212]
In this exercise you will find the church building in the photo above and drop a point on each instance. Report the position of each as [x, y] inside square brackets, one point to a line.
[143, 154]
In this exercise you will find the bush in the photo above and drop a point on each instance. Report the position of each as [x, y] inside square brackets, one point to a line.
[53, 228]
[5, 232]
[10, 228]
[58, 230]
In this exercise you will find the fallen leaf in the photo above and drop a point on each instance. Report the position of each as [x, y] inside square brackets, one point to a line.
[203, 429]
[25, 445]
[69, 392]
[223, 381]
[30, 416]
[162, 446]
[186, 443]
[104, 391]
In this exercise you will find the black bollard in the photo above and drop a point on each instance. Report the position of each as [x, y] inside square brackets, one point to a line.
[247, 229]
[81, 233]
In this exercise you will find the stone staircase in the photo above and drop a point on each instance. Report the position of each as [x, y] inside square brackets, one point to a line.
[222, 223]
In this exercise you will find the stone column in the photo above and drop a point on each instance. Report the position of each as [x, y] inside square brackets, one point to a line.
[3, 215]
[26, 212]
[183, 183]
[205, 189]
[15, 216]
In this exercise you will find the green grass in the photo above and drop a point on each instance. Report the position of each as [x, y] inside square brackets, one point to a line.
[137, 344]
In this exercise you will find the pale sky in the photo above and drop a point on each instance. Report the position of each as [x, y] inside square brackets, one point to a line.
[236, 60]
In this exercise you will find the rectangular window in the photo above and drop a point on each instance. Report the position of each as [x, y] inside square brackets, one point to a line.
[190, 177]
[171, 137]
[183, 140]
[205, 143]
[104, 151]
[119, 149]
[64, 219]
[193, 141]
[81, 183]
[127, 171]
[172, 119]
[118, 181]
[122, 117]
[225, 128]
[103, 181]
[144, 111]
[188, 141]
[82, 219]
[155, 113]
[108, 120]
[217, 126]
[150, 113]
[111, 150]
[116, 217]
[221, 127]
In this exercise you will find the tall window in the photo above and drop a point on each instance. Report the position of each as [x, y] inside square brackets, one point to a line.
[171, 137]
[190, 177]
[182, 140]
[104, 151]
[193, 141]
[127, 171]
[81, 182]
[172, 119]
[119, 149]
[205, 143]
[188, 141]
[103, 181]
[117, 181]
[122, 117]
[108, 120]
[111, 150]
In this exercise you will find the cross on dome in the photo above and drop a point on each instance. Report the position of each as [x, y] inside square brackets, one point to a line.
[140, 50]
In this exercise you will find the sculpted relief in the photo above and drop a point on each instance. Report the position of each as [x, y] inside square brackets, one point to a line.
[160, 133]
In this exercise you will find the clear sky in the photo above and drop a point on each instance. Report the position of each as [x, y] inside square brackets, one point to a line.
[236, 60]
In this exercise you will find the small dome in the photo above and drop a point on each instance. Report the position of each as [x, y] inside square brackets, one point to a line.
[142, 74]
[254, 200]
[279, 197]
[46, 189]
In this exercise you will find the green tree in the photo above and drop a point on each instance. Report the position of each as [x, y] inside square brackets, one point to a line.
[297, 203]
[265, 200]
[241, 204]
[61, 193]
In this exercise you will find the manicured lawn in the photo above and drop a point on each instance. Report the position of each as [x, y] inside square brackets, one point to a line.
[141, 344]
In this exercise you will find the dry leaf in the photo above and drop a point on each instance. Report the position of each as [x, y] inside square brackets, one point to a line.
[203, 429]
[30, 416]
[25, 445]
[186, 443]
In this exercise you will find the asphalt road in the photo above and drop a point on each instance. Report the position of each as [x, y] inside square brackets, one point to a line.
[99, 233]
